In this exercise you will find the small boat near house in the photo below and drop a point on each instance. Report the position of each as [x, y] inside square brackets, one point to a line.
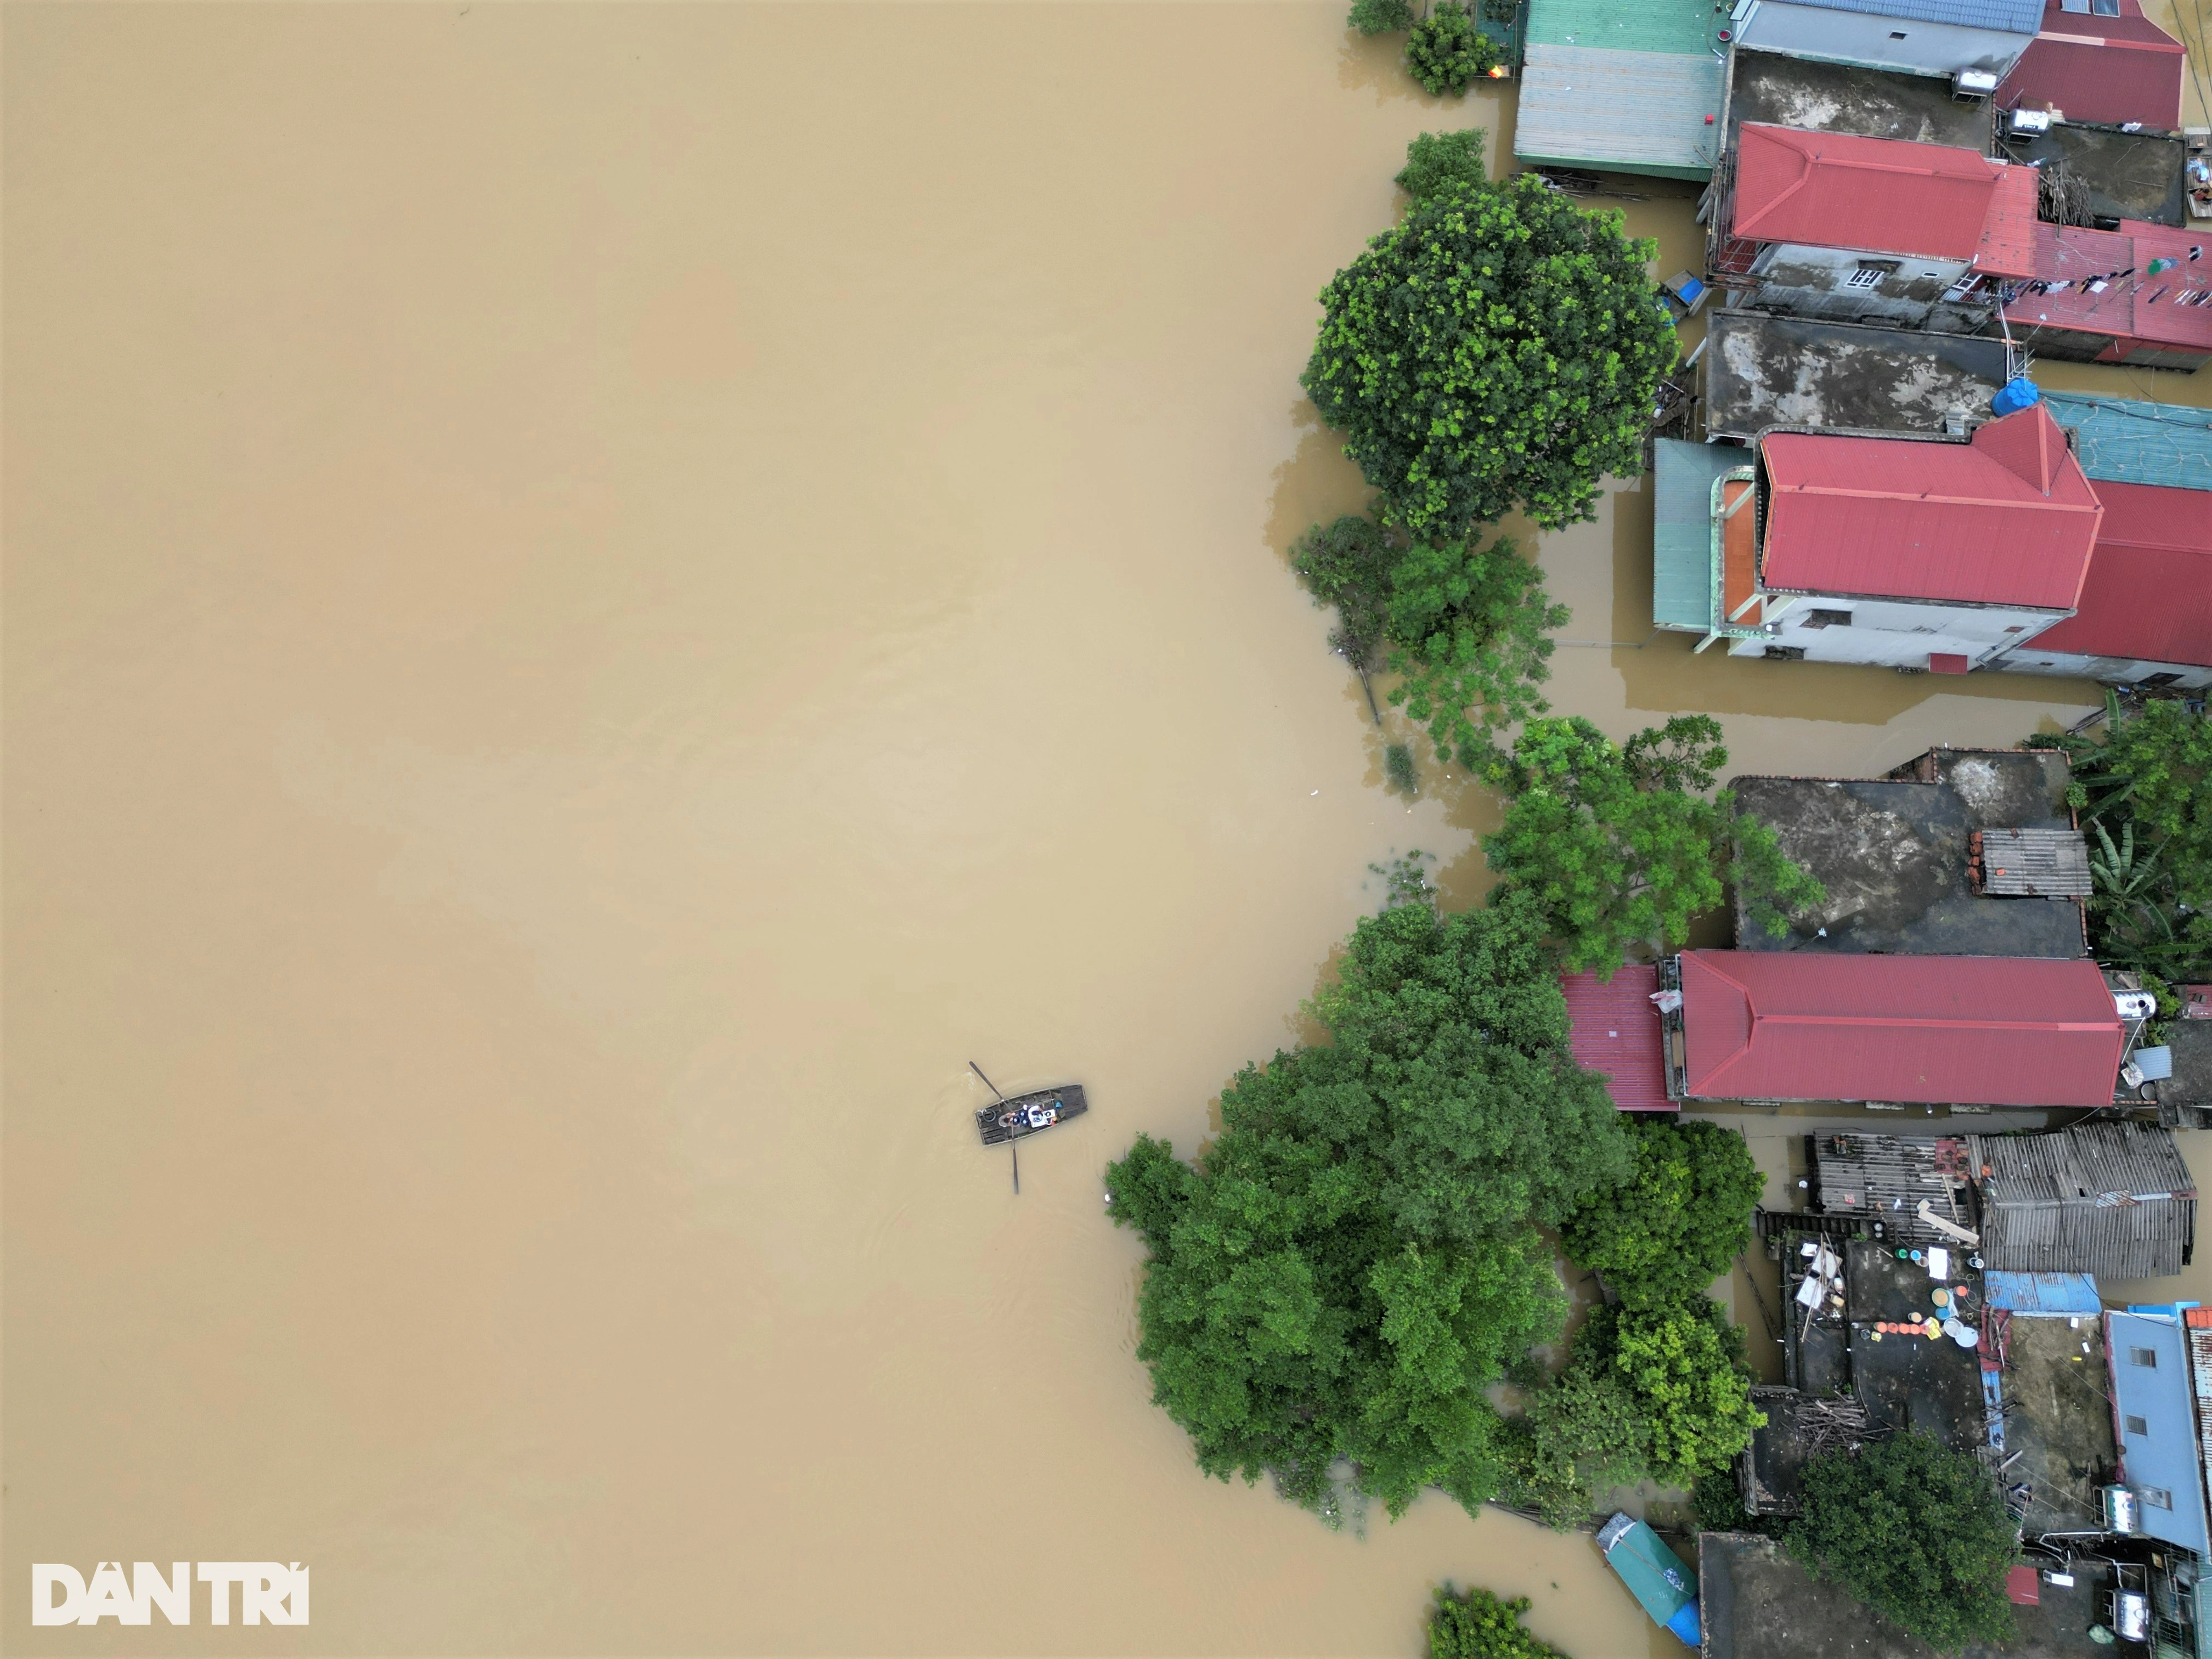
[1029, 1114]
[1655, 1575]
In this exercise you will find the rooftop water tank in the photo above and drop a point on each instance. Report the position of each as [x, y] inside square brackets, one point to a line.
[2016, 395]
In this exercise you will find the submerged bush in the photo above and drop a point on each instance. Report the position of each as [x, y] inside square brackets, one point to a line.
[1372, 17]
[1447, 53]
[1476, 1625]
[1435, 160]
[1398, 767]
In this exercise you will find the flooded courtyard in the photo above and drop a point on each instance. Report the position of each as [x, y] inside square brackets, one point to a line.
[598, 599]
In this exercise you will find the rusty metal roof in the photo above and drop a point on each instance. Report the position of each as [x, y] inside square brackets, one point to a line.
[2029, 863]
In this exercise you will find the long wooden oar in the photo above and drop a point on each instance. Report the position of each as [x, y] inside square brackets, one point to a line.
[1011, 1141]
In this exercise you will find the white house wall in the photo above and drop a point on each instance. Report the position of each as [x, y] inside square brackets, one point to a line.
[1853, 37]
[1894, 633]
[1809, 281]
[2113, 670]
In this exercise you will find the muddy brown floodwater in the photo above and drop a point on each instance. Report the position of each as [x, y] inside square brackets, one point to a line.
[597, 598]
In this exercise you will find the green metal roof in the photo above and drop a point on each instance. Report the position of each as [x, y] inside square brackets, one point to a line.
[2130, 442]
[1683, 27]
[1682, 529]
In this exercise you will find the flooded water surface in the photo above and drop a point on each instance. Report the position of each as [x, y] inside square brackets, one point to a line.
[597, 600]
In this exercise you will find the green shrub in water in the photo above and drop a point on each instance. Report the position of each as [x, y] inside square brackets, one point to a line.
[1372, 17]
[1476, 1625]
[1437, 160]
[1447, 53]
[1398, 766]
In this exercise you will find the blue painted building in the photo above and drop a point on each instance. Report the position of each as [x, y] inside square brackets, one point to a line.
[2154, 1422]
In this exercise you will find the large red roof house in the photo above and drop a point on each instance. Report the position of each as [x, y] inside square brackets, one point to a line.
[1858, 229]
[1901, 552]
[2145, 613]
[1969, 1031]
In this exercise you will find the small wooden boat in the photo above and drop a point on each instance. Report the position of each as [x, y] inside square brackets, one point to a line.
[1027, 1114]
[1655, 1575]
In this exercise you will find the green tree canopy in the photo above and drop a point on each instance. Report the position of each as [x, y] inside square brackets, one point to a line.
[1435, 160]
[1684, 1367]
[1466, 628]
[1499, 347]
[1473, 629]
[1353, 1261]
[1681, 1218]
[1476, 1625]
[1619, 844]
[1916, 1531]
[1576, 1434]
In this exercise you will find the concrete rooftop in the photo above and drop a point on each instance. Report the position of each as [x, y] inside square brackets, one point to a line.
[1762, 372]
[1757, 1603]
[2057, 1420]
[1796, 92]
[2130, 175]
[1893, 856]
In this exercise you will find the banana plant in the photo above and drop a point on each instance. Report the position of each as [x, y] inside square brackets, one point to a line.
[2121, 879]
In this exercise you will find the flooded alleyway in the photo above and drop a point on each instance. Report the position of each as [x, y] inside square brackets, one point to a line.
[599, 598]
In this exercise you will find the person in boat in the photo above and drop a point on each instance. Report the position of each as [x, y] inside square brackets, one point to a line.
[1042, 1117]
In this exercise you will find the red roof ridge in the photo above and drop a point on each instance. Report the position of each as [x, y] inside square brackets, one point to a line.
[1929, 495]
[2026, 443]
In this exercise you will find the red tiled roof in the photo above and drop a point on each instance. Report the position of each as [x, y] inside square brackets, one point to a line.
[1978, 1030]
[2006, 519]
[2149, 597]
[1881, 196]
[1614, 1029]
[2101, 69]
[2137, 307]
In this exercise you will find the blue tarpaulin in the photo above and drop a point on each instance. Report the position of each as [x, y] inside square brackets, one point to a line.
[2042, 1293]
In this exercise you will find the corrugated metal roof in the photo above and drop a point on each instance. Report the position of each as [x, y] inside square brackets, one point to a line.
[2069, 1295]
[2162, 310]
[1682, 529]
[1884, 1177]
[2114, 1199]
[2007, 244]
[1881, 196]
[2008, 518]
[1978, 1031]
[1607, 108]
[1614, 1030]
[2133, 442]
[2025, 863]
[2013, 17]
[2149, 596]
